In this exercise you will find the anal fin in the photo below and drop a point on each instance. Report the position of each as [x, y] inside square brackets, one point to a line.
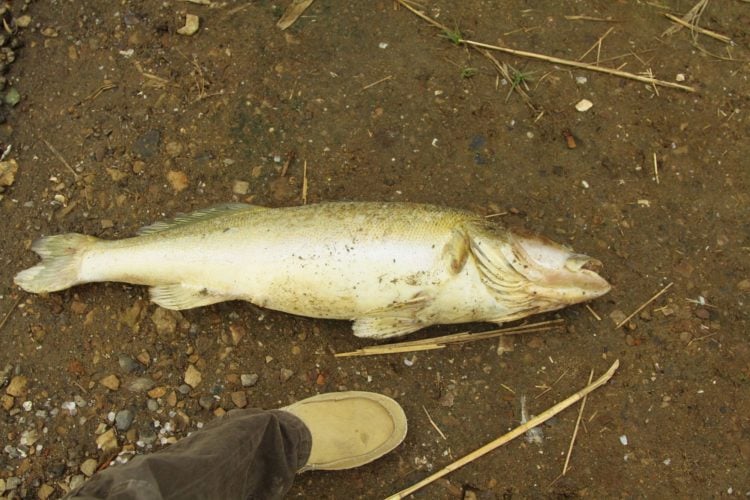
[179, 296]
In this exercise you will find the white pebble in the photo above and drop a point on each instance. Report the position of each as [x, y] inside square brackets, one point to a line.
[383, 45]
[667, 461]
[585, 184]
[580, 80]
[624, 440]
[584, 105]
[27, 405]
[680, 77]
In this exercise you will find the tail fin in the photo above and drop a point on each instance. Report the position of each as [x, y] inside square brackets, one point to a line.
[61, 262]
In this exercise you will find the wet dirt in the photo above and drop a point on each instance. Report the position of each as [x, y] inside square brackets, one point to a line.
[380, 106]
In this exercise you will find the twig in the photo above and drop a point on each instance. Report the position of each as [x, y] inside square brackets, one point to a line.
[440, 342]
[575, 429]
[377, 82]
[656, 169]
[590, 18]
[518, 431]
[60, 157]
[10, 311]
[691, 17]
[593, 313]
[433, 423]
[598, 44]
[644, 305]
[712, 34]
[106, 86]
[304, 183]
[551, 59]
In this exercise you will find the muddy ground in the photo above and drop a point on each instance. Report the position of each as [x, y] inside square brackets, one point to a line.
[380, 106]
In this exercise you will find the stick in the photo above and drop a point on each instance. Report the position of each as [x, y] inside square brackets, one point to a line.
[644, 305]
[551, 59]
[575, 429]
[10, 311]
[433, 423]
[440, 342]
[593, 313]
[694, 27]
[60, 157]
[597, 43]
[304, 183]
[518, 431]
[377, 82]
[656, 169]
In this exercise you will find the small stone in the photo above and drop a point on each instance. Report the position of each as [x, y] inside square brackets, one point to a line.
[296, 350]
[141, 384]
[23, 21]
[111, 382]
[207, 402]
[124, 419]
[178, 180]
[172, 399]
[12, 483]
[249, 379]
[116, 175]
[173, 149]
[192, 376]
[107, 442]
[239, 398]
[219, 412]
[164, 320]
[12, 97]
[127, 364]
[680, 77]
[152, 405]
[138, 167]
[184, 389]
[49, 32]
[584, 105]
[192, 23]
[285, 374]
[8, 171]
[18, 386]
[45, 491]
[240, 187]
[702, 313]
[686, 336]
[147, 145]
[617, 316]
[88, 467]
[144, 358]
[6, 402]
[157, 392]
[76, 481]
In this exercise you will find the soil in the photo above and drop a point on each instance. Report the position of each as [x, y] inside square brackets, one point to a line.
[380, 106]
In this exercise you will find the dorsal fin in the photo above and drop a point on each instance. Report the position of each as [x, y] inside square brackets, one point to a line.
[198, 215]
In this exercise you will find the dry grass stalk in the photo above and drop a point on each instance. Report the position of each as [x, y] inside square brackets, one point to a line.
[691, 18]
[643, 306]
[60, 157]
[656, 169]
[598, 46]
[593, 313]
[440, 342]
[518, 431]
[575, 429]
[433, 423]
[550, 59]
[377, 82]
[704, 31]
[590, 18]
[10, 311]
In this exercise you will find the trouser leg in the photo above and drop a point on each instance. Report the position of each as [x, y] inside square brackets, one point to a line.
[245, 454]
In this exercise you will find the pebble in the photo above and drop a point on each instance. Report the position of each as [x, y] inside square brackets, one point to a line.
[6, 402]
[152, 405]
[173, 149]
[111, 382]
[192, 23]
[141, 384]
[147, 145]
[76, 481]
[107, 442]
[207, 402]
[285, 374]
[17, 386]
[127, 364]
[157, 392]
[88, 467]
[124, 419]
[584, 105]
[184, 389]
[45, 491]
[164, 321]
[12, 483]
[249, 379]
[240, 187]
[178, 180]
[12, 97]
[239, 398]
[192, 376]
[23, 21]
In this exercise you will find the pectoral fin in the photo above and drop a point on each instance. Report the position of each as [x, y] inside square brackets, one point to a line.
[393, 321]
[178, 296]
[457, 250]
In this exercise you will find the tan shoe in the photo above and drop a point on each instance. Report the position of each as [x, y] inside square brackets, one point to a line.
[350, 428]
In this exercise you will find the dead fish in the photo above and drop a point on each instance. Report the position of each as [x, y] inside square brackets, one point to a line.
[392, 268]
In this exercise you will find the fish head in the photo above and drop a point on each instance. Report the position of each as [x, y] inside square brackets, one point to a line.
[556, 275]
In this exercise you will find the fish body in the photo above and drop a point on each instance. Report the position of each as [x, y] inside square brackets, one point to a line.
[392, 268]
